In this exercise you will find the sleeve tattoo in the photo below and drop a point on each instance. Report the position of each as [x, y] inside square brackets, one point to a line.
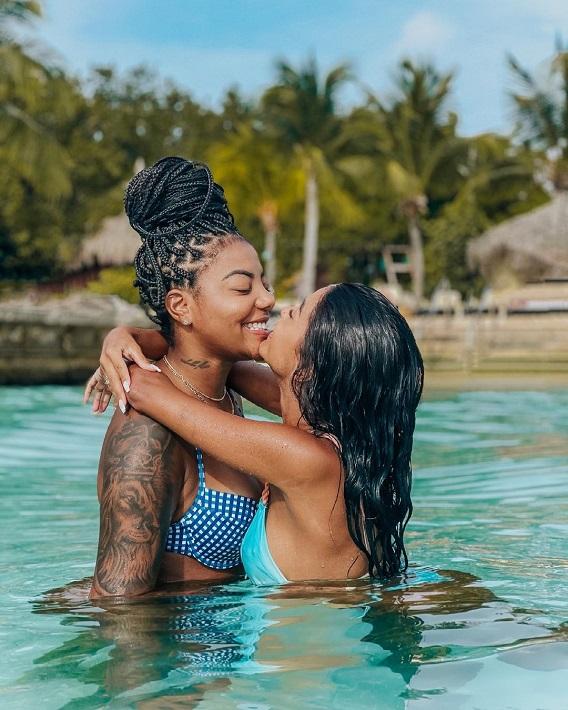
[136, 505]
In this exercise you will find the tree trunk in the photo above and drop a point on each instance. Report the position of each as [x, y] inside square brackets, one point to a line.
[415, 236]
[311, 230]
[268, 214]
[269, 255]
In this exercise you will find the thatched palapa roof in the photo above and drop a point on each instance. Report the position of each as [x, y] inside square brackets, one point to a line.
[530, 247]
[114, 244]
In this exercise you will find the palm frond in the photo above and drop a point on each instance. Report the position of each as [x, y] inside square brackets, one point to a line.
[21, 10]
[520, 74]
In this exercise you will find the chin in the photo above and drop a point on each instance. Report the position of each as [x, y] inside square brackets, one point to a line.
[258, 349]
[253, 354]
[247, 350]
[264, 352]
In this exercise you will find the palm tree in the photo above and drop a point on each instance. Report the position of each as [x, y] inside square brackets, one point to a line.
[542, 111]
[34, 100]
[302, 112]
[259, 180]
[20, 10]
[419, 146]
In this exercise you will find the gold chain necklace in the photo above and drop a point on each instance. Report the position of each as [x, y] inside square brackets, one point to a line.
[198, 393]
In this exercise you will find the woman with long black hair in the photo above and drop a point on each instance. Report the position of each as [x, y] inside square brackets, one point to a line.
[348, 375]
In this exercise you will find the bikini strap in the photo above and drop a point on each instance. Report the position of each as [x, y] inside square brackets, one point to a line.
[200, 469]
[236, 401]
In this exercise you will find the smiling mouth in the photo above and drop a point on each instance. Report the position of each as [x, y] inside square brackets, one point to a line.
[258, 327]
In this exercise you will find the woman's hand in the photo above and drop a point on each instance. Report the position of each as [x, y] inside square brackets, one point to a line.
[149, 391]
[112, 377]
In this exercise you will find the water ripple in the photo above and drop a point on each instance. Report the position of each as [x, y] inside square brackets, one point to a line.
[478, 622]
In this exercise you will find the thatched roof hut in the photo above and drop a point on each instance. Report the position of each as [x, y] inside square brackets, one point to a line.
[114, 244]
[530, 247]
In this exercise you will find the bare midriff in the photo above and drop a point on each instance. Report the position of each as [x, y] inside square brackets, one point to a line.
[182, 568]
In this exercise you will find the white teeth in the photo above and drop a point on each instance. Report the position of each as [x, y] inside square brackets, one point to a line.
[256, 326]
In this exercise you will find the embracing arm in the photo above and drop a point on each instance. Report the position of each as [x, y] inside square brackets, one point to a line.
[137, 498]
[151, 342]
[277, 453]
[257, 383]
[120, 345]
[253, 381]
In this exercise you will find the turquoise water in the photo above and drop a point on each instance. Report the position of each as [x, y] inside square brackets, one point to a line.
[480, 621]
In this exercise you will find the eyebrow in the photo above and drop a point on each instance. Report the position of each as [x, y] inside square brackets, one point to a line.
[240, 272]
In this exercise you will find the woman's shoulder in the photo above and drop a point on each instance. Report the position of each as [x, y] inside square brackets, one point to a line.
[133, 421]
[141, 438]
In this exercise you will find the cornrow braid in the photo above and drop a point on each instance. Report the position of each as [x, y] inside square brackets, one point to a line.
[181, 214]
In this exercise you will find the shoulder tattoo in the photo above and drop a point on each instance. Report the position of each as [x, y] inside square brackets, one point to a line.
[137, 501]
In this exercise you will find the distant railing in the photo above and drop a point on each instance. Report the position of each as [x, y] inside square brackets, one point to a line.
[34, 352]
[492, 343]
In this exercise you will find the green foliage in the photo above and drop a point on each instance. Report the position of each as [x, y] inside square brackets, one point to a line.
[417, 136]
[301, 109]
[22, 11]
[496, 183]
[301, 114]
[542, 111]
[36, 103]
[446, 247]
[67, 149]
[117, 281]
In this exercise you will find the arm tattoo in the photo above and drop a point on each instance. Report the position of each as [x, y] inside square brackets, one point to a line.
[137, 502]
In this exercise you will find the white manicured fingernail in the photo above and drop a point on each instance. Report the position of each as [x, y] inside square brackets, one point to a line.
[155, 368]
[122, 406]
[126, 385]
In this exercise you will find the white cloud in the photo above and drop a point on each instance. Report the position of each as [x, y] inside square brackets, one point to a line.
[424, 33]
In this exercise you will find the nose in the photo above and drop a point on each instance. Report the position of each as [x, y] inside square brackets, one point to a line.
[265, 300]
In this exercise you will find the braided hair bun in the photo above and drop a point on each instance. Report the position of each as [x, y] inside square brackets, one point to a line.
[179, 212]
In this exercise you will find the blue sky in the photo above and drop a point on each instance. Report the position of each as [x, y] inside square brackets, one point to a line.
[209, 45]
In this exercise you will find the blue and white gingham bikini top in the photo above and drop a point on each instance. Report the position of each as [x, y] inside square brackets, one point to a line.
[213, 528]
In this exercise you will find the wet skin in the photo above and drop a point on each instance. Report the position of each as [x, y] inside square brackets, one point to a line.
[147, 474]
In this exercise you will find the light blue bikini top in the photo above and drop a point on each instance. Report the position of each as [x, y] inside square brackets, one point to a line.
[261, 569]
[213, 528]
[259, 566]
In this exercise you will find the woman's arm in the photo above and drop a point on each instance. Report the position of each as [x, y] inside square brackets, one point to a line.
[138, 490]
[257, 383]
[278, 453]
[120, 345]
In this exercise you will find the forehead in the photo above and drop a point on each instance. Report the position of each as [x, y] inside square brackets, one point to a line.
[313, 299]
[235, 255]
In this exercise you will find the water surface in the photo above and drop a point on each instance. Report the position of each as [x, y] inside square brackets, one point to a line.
[479, 621]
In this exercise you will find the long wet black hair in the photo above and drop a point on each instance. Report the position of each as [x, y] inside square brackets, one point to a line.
[182, 217]
[359, 379]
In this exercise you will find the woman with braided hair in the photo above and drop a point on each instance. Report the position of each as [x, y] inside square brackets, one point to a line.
[169, 511]
[346, 376]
